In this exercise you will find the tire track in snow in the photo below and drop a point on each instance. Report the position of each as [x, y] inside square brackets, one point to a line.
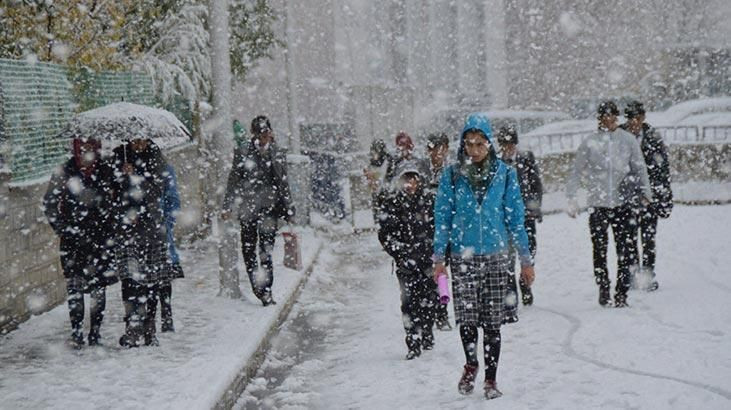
[569, 350]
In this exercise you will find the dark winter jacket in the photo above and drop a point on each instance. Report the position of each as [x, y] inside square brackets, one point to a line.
[138, 214]
[257, 184]
[531, 188]
[406, 230]
[658, 169]
[79, 209]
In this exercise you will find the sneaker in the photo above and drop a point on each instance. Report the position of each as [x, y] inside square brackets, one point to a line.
[427, 343]
[527, 297]
[491, 391]
[652, 286]
[467, 382]
[604, 296]
[413, 354]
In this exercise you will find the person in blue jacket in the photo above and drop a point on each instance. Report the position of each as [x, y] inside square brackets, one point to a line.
[170, 203]
[479, 212]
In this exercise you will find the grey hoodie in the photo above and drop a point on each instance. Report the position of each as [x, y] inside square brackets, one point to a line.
[606, 162]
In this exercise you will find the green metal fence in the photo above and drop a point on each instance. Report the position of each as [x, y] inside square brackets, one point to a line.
[37, 102]
[38, 99]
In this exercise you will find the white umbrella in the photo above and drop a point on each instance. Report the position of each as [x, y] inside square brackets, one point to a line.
[125, 121]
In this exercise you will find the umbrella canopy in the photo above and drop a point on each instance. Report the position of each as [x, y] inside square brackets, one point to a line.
[125, 121]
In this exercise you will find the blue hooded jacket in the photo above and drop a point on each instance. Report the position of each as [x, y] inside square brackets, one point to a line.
[170, 202]
[473, 228]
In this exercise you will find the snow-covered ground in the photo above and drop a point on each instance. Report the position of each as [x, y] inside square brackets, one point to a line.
[343, 346]
[191, 369]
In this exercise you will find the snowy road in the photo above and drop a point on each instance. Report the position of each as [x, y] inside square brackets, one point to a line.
[343, 345]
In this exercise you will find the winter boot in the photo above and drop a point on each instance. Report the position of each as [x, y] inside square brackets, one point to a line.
[604, 296]
[491, 391]
[94, 337]
[413, 353]
[150, 332]
[427, 341]
[130, 338]
[266, 299]
[76, 341]
[167, 325]
[467, 382]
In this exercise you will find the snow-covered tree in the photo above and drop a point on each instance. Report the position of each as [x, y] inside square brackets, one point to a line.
[252, 34]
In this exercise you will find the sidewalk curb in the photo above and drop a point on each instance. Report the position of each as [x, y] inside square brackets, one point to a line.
[245, 374]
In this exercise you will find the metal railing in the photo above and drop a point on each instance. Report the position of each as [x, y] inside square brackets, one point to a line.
[558, 143]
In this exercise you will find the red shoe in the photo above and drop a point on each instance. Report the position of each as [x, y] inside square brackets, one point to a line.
[491, 391]
[467, 382]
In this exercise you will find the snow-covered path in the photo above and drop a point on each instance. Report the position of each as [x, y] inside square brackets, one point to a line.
[343, 346]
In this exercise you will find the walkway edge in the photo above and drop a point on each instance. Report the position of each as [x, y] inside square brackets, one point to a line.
[247, 373]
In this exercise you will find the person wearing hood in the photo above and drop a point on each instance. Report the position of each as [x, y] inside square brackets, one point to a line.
[142, 248]
[257, 193]
[531, 190]
[77, 204]
[405, 231]
[658, 169]
[405, 152]
[607, 163]
[478, 213]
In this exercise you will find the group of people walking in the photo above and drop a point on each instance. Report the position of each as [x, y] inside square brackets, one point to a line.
[115, 217]
[472, 218]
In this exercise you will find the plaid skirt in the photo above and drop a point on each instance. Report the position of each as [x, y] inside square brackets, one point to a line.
[143, 259]
[479, 287]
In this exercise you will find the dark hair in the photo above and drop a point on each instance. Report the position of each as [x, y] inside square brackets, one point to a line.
[507, 135]
[260, 124]
[607, 107]
[437, 139]
[634, 109]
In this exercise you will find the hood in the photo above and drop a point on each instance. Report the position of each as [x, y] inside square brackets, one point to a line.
[410, 165]
[474, 121]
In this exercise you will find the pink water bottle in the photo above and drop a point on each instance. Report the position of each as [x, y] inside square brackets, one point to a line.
[443, 289]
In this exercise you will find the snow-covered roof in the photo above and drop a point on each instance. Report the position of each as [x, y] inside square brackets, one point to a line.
[677, 112]
[707, 119]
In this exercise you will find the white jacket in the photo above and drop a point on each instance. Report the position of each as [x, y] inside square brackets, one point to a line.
[606, 162]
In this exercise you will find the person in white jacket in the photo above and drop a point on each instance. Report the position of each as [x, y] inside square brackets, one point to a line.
[610, 165]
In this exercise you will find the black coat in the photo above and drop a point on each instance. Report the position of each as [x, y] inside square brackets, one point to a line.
[257, 184]
[531, 187]
[406, 230]
[79, 209]
[138, 215]
[658, 169]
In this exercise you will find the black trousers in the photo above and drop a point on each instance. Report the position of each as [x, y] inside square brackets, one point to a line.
[261, 231]
[648, 230]
[139, 307]
[623, 223]
[164, 296]
[98, 297]
[418, 306]
[530, 229]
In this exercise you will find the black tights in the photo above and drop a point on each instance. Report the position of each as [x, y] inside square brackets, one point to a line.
[76, 306]
[491, 345]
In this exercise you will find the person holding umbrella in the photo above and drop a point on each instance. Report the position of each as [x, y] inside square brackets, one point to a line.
[77, 204]
[142, 249]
